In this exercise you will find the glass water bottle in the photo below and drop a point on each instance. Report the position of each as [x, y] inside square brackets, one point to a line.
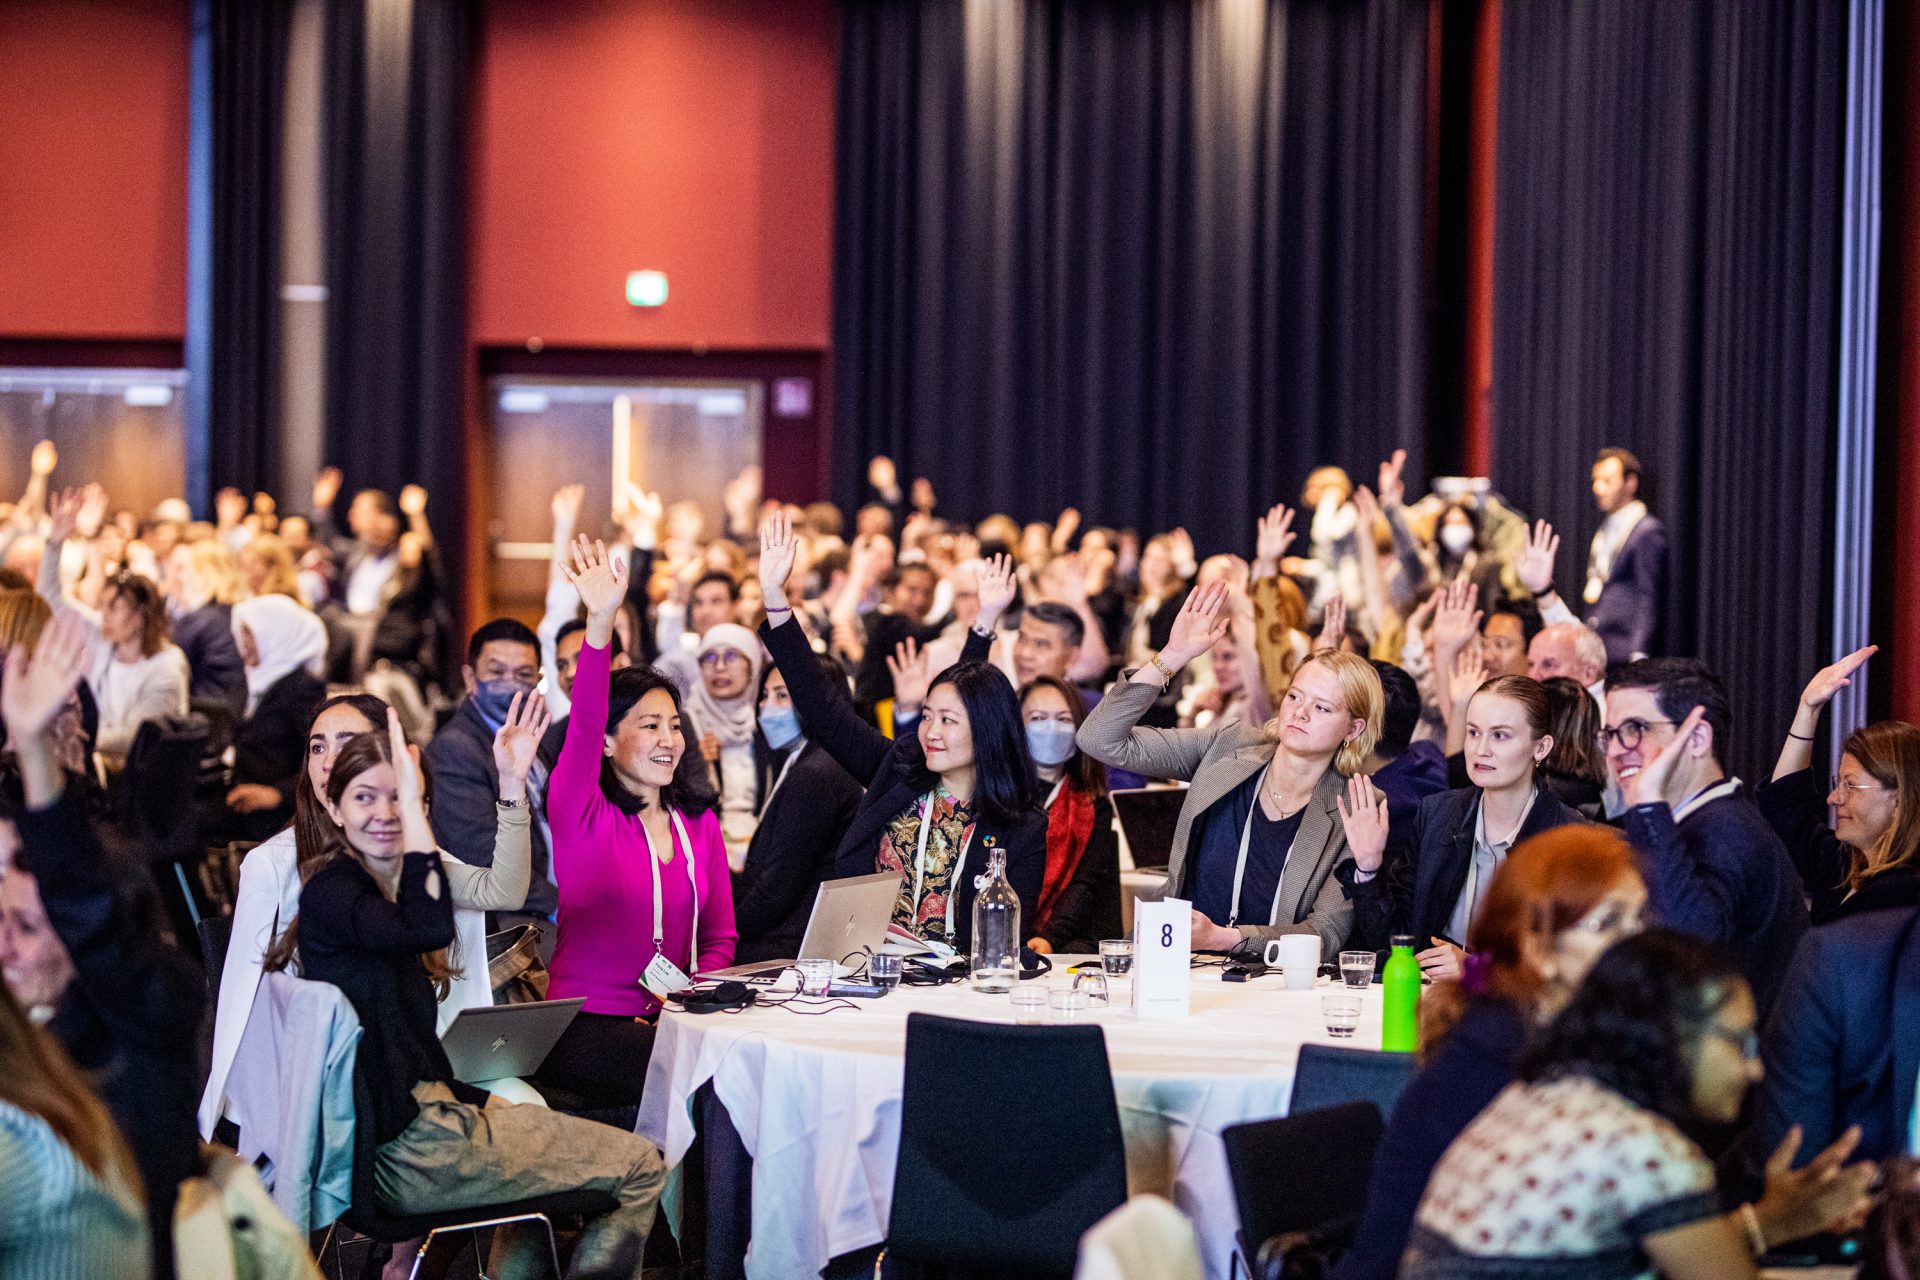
[996, 928]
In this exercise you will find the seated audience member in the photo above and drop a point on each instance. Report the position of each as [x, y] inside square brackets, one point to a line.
[1870, 858]
[1842, 1048]
[679, 630]
[806, 801]
[201, 589]
[1080, 895]
[376, 920]
[1585, 1169]
[1573, 651]
[1167, 569]
[503, 665]
[1405, 771]
[939, 798]
[720, 719]
[1505, 637]
[1262, 828]
[1714, 867]
[1575, 771]
[267, 568]
[1439, 875]
[272, 874]
[83, 946]
[70, 1203]
[137, 675]
[907, 599]
[283, 646]
[567, 643]
[1048, 642]
[637, 853]
[1556, 904]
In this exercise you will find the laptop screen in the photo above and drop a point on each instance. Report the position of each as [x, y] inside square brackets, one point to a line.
[1147, 817]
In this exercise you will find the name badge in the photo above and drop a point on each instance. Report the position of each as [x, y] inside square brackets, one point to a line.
[663, 977]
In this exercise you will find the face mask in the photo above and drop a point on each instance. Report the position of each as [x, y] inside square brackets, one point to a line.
[1456, 538]
[1050, 742]
[494, 698]
[781, 725]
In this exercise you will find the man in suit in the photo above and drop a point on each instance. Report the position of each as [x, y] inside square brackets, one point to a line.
[1627, 565]
[1843, 1046]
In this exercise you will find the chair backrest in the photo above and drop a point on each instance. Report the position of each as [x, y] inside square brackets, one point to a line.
[215, 933]
[1302, 1171]
[1010, 1145]
[1328, 1075]
[153, 798]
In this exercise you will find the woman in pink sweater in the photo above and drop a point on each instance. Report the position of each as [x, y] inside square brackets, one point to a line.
[637, 857]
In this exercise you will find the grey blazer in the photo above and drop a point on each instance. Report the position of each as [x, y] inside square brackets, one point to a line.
[1215, 761]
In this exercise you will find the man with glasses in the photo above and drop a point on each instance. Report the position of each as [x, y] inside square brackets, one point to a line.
[1713, 865]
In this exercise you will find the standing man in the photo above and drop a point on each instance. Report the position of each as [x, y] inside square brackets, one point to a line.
[1627, 567]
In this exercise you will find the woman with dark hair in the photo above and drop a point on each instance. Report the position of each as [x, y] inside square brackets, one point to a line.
[1080, 895]
[1869, 859]
[938, 798]
[376, 921]
[1584, 1169]
[805, 801]
[643, 877]
[1575, 771]
[272, 874]
[137, 674]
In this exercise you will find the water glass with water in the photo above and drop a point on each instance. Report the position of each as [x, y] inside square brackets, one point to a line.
[1116, 956]
[815, 976]
[883, 970]
[1356, 969]
[1342, 1014]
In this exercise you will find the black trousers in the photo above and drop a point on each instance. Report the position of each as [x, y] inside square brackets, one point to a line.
[599, 1062]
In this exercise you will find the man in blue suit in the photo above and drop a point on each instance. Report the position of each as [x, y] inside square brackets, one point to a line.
[1843, 1045]
[1627, 565]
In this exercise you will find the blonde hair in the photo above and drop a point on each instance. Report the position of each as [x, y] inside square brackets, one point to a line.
[1360, 691]
[283, 575]
[23, 616]
[212, 567]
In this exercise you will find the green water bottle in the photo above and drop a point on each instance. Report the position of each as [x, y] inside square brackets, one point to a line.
[1400, 1026]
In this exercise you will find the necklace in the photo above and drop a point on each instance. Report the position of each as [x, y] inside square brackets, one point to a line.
[1280, 802]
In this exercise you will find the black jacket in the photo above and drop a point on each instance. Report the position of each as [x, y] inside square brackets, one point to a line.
[895, 776]
[271, 748]
[1425, 870]
[1627, 614]
[791, 853]
[466, 792]
[213, 659]
[1797, 812]
[1844, 1047]
[1089, 907]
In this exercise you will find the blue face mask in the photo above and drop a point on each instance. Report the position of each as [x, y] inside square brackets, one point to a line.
[781, 725]
[1050, 742]
[494, 698]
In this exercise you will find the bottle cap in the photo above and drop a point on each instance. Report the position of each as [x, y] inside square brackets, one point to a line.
[1403, 940]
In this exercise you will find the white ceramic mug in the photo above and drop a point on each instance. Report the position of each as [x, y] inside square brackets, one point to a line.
[1298, 956]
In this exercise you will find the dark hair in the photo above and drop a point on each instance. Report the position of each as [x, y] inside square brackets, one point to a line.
[508, 630]
[1531, 624]
[893, 577]
[1083, 772]
[12, 579]
[1526, 691]
[831, 672]
[687, 792]
[312, 828]
[1403, 710]
[1576, 732]
[1679, 685]
[1629, 465]
[721, 576]
[1633, 1023]
[1005, 786]
[382, 500]
[573, 626]
[1055, 614]
[835, 561]
[146, 600]
[824, 518]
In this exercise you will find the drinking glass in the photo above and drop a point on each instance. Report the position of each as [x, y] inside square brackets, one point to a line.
[1342, 1014]
[1091, 980]
[1068, 1006]
[1029, 1006]
[1356, 967]
[815, 976]
[884, 970]
[1116, 956]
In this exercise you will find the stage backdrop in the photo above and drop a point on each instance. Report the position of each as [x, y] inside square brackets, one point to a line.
[1156, 260]
[1665, 275]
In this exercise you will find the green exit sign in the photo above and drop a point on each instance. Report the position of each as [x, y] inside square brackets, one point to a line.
[647, 288]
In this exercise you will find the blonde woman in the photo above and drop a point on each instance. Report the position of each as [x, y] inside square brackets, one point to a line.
[201, 588]
[1273, 809]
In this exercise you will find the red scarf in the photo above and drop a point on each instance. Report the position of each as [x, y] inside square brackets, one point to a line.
[1069, 827]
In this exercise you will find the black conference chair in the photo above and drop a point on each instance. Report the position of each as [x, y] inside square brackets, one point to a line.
[1009, 1147]
[1302, 1178]
[1328, 1075]
[215, 932]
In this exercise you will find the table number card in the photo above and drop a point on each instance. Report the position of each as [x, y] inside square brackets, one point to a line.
[1162, 949]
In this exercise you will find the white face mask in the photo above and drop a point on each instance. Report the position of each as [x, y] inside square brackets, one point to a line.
[1456, 538]
[1050, 742]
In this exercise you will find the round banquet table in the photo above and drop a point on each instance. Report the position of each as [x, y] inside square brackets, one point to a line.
[816, 1100]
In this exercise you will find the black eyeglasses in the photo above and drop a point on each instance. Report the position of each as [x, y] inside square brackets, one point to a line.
[1628, 733]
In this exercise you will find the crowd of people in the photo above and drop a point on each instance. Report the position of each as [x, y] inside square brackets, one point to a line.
[1388, 723]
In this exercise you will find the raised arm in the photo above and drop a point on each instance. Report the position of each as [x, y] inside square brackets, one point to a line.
[1796, 753]
[1112, 733]
[502, 886]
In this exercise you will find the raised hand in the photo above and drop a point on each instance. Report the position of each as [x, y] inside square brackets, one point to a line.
[45, 458]
[567, 500]
[1275, 535]
[326, 487]
[1333, 624]
[1065, 580]
[65, 508]
[1468, 674]
[37, 687]
[517, 742]
[1363, 814]
[413, 500]
[912, 674]
[1180, 542]
[882, 475]
[778, 547]
[1455, 620]
[1831, 680]
[1392, 483]
[1063, 530]
[416, 833]
[996, 591]
[93, 511]
[1658, 763]
[601, 581]
[1535, 568]
[1199, 625]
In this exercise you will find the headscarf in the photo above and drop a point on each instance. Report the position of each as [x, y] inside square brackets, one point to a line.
[732, 720]
[288, 637]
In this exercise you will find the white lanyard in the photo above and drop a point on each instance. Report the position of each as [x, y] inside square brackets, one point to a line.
[785, 769]
[1240, 866]
[920, 862]
[1054, 794]
[659, 911]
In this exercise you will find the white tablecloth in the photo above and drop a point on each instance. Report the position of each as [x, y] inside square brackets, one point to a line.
[816, 1100]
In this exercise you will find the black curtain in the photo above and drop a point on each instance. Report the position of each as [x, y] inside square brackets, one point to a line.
[1666, 266]
[396, 93]
[1156, 260]
[248, 65]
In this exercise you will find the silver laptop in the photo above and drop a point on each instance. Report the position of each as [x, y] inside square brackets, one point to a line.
[502, 1040]
[849, 917]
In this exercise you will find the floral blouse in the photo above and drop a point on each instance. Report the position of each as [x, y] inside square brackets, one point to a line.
[946, 846]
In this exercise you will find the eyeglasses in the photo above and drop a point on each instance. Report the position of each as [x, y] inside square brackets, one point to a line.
[1617, 919]
[1838, 783]
[1628, 733]
[722, 658]
[1747, 1042]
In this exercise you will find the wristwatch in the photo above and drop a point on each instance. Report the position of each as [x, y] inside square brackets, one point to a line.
[506, 804]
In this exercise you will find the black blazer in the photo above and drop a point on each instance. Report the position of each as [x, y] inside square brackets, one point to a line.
[1089, 907]
[791, 853]
[1843, 1046]
[1797, 812]
[213, 659]
[1627, 614]
[271, 748]
[1426, 868]
[895, 776]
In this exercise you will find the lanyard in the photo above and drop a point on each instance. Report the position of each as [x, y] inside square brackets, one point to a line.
[1054, 794]
[920, 862]
[659, 911]
[1240, 866]
[785, 769]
